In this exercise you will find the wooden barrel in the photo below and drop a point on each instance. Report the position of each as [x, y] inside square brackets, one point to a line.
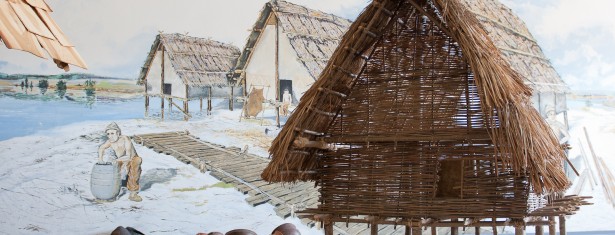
[105, 181]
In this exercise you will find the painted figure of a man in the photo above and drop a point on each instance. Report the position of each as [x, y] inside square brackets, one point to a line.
[287, 98]
[127, 158]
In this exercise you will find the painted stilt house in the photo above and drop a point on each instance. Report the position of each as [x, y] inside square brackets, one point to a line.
[185, 68]
[287, 49]
[420, 119]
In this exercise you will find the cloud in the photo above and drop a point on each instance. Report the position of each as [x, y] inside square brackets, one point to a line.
[577, 37]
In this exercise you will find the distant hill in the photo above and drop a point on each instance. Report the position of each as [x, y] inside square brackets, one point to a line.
[65, 76]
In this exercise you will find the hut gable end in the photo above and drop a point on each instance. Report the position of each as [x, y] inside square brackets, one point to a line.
[313, 35]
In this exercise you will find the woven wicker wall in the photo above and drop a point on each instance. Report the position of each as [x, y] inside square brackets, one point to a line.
[411, 137]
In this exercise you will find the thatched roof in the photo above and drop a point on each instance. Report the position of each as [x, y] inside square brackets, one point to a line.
[517, 45]
[313, 34]
[28, 26]
[515, 128]
[198, 62]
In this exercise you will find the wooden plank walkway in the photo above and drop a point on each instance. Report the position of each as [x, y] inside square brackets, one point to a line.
[243, 171]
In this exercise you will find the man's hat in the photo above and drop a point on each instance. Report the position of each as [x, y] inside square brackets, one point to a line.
[113, 126]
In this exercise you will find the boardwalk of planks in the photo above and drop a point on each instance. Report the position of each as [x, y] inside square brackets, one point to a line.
[243, 171]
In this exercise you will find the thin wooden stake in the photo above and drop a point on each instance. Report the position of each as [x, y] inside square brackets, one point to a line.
[562, 225]
[551, 225]
[539, 230]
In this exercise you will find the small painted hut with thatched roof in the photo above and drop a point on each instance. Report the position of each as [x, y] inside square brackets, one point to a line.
[520, 49]
[421, 118]
[28, 26]
[287, 49]
[185, 68]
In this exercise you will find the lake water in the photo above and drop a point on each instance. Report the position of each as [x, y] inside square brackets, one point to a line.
[21, 117]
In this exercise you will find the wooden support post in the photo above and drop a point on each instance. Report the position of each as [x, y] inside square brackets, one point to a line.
[186, 103]
[328, 227]
[408, 230]
[201, 105]
[146, 103]
[162, 107]
[476, 230]
[551, 225]
[230, 101]
[434, 230]
[170, 104]
[373, 228]
[186, 110]
[209, 101]
[454, 230]
[417, 231]
[539, 230]
[162, 85]
[519, 230]
[277, 72]
[562, 225]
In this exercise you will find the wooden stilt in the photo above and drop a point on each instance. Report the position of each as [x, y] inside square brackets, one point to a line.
[416, 231]
[186, 110]
[277, 72]
[408, 230]
[434, 230]
[539, 230]
[562, 225]
[454, 230]
[162, 84]
[146, 104]
[373, 229]
[551, 225]
[162, 107]
[519, 230]
[186, 117]
[170, 104]
[230, 101]
[201, 105]
[476, 230]
[328, 227]
[209, 102]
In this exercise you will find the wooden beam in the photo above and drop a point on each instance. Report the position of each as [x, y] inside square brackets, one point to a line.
[277, 71]
[162, 85]
[186, 114]
[302, 142]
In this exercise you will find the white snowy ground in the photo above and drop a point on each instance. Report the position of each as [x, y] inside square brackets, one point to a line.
[45, 180]
[45, 184]
[599, 121]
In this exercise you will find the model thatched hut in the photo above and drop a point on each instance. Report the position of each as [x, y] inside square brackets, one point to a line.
[288, 48]
[185, 68]
[28, 26]
[420, 119]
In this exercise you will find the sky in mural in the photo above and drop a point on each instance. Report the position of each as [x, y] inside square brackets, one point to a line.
[114, 36]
